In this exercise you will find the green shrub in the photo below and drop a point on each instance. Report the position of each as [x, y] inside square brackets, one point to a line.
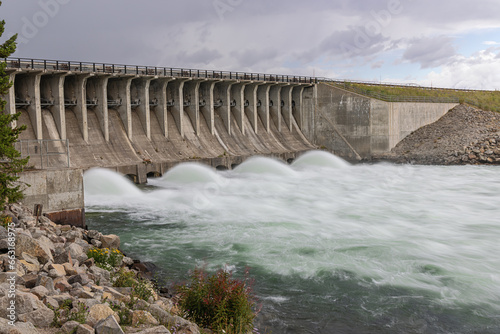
[141, 289]
[105, 258]
[124, 279]
[218, 302]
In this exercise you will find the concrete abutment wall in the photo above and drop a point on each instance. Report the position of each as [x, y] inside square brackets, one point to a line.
[357, 126]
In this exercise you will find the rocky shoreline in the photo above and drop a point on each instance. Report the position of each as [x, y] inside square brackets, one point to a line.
[54, 287]
[464, 136]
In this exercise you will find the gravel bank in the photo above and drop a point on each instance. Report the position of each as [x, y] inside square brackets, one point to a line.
[465, 135]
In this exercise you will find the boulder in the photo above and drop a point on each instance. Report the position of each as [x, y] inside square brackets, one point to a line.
[110, 241]
[58, 268]
[30, 259]
[29, 267]
[115, 295]
[47, 282]
[62, 284]
[93, 234]
[69, 269]
[41, 317]
[85, 245]
[100, 312]
[83, 279]
[27, 302]
[3, 233]
[108, 326]
[155, 330]
[143, 318]
[76, 252]
[51, 302]
[69, 327]
[33, 247]
[72, 235]
[96, 243]
[40, 291]
[85, 329]
[20, 328]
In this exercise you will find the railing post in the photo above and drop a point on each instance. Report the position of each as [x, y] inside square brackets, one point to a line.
[32, 64]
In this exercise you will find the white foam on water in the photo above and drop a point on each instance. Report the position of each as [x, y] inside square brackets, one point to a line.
[187, 173]
[427, 228]
[320, 159]
[265, 166]
[100, 181]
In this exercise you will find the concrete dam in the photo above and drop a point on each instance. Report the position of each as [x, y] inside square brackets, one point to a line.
[141, 121]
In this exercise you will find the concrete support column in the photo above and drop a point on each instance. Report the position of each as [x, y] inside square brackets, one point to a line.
[140, 93]
[286, 109]
[207, 103]
[297, 109]
[52, 89]
[35, 108]
[97, 90]
[119, 90]
[192, 102]
[263, 99]
[10, 97]
[251, 109]
[79, 94]
[158, 94]
[275, 104]
[238, 104]
[175, 95]
[222, 96]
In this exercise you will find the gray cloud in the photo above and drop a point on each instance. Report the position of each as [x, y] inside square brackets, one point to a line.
[430, 51]
[253, 35]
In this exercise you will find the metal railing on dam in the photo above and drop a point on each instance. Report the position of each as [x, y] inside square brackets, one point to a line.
[87, 67]
[396, 98]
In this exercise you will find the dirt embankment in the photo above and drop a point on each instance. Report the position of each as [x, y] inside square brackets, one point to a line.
[465, 135]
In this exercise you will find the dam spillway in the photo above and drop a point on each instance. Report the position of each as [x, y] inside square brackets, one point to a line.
[142, 120]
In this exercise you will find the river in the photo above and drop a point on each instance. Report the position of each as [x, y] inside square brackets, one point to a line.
[332, 247]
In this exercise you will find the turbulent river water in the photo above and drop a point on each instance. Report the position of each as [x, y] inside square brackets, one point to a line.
[332, 247]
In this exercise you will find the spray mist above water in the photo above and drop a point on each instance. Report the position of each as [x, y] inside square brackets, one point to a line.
[100, 181]
[410, 248]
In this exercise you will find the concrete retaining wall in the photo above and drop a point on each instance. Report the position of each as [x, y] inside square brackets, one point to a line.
[354, 125]
[59, 191]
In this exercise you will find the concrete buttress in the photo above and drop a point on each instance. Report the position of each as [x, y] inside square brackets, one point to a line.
[250, 105]
[238, 104]
[158, 94]
[52, 94]
[207, 101]
[175, 95]
[263, 104]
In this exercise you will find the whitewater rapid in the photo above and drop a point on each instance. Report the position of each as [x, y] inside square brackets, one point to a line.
[407, 248]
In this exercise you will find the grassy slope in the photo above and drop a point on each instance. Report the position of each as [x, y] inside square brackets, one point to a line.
[486, 100]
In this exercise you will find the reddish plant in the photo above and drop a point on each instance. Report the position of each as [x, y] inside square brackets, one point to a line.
[219, 302]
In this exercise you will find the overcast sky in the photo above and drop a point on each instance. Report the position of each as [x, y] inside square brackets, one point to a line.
[450, 43]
